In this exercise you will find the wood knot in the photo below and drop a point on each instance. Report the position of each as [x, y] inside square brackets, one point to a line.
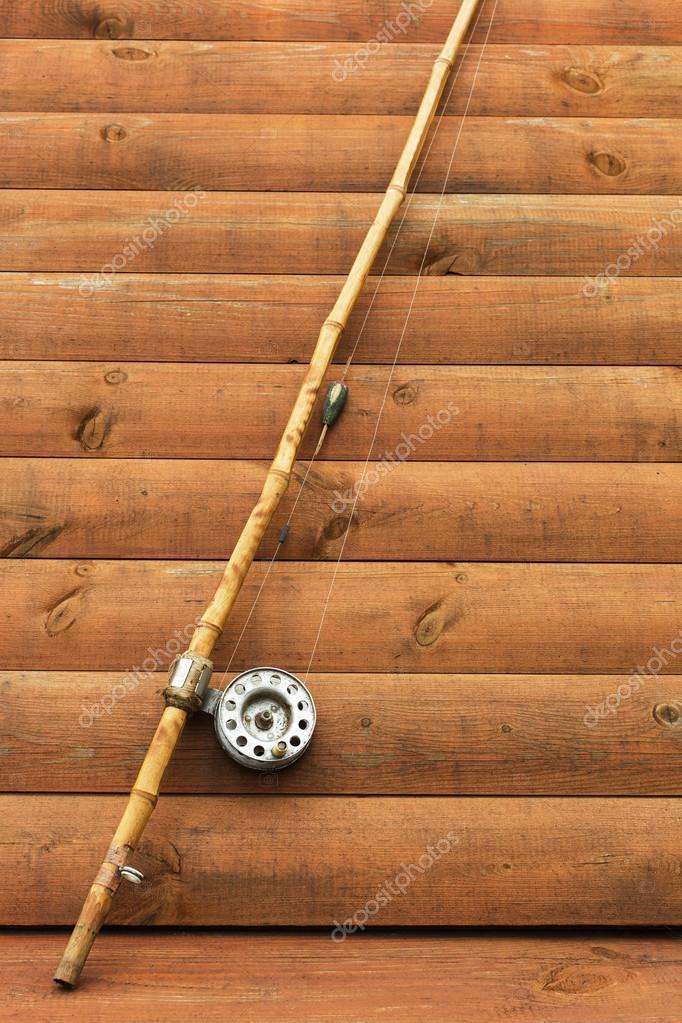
[114, 133]
[31, 541]
[441, 265]
[165, 853]
[94, 429]
[611, 165]
[336, 527]
[115, 376]
[109, 28]
[603, 952]
[576, 980]
[405, 394]
[134, 53]
[582, 80]
[64, 614]
[667, 714]
[429, 626]
[366, 722]
[464, 263]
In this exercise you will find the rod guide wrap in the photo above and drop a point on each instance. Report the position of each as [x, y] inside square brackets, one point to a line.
[109, 874]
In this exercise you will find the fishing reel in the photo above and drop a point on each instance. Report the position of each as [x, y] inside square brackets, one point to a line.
[264, 719]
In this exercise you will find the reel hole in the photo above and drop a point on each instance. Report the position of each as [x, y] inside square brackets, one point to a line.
[239, 689]
[259, 751]
[293, 688]
[303, 724]
[302, 705]
[295, 741]
[231, 705]
[231, 724]
[241, 740]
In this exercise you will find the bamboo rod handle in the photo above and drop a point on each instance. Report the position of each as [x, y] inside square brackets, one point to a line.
[144, 794]
[141, 803]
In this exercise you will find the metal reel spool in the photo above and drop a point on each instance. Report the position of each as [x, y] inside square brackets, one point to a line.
[264, 719]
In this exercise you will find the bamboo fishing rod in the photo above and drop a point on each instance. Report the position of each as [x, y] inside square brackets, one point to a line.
[190, 673]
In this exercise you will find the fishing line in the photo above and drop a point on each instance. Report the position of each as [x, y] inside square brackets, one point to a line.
[412, 194]
[400, 342]
[406, 208]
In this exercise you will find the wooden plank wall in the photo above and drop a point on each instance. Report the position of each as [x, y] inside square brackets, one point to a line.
[591, 977]
[183, 187]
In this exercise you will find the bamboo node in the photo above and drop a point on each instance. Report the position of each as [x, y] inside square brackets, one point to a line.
[204, 624]
[335, 323]
[280, 472]
[151, 797]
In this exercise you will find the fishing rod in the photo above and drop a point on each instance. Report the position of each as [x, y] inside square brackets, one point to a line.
[265, 718]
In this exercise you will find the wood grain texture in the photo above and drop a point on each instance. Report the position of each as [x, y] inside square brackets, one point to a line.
[595, 976]
[214, 318]
[326, 78]
[510, 575]
[433, 511]
[490, 413]
[466, 617]
[290, 152]
[251, 232]
[316, 860]
[423, 734]
[523, 21]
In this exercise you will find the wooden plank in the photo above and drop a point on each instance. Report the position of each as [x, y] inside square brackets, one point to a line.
[250, 232]
[213, 318]
[597, 976]
[253, 860]
[522, 21]
[290, 152]
[376, 735]
[325, 78]
[489, 413]
[432, 511]
[465, 617]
